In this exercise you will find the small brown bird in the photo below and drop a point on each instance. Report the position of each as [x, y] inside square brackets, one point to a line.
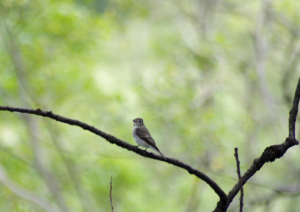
[142, 136]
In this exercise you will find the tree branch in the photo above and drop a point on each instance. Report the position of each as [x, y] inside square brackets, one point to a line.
[294, 112]
[125, 145]
[270, 154]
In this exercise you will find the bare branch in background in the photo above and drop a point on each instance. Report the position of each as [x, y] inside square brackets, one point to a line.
[261, 43]
[28, 195]
[39, 158]
[81, 193]
[19, 68]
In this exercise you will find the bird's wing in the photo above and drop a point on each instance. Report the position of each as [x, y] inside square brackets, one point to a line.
[144, 134]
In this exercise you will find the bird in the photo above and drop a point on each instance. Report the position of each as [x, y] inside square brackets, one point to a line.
[142, 136]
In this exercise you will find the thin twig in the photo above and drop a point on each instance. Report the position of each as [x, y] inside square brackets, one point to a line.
[239, 175]
[112, 208]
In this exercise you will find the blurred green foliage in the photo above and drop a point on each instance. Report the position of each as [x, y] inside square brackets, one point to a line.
[206, 77]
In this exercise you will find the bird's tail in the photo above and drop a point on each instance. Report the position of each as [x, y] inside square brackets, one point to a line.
[161, 154]
[157, 150]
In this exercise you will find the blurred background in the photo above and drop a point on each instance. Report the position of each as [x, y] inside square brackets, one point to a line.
[205, 75]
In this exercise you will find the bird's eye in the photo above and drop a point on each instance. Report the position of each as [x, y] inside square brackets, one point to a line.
[140, 121]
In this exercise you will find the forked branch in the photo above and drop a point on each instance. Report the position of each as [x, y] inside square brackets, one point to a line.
[270, 154]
